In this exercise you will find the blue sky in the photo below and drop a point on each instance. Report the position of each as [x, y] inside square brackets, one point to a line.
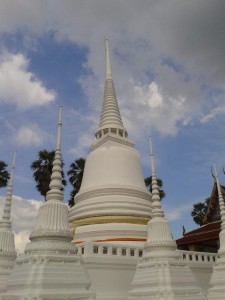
[168, 70]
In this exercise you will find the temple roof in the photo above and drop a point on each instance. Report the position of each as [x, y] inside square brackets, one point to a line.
[206, 232]
[211, 228]
[212, 213]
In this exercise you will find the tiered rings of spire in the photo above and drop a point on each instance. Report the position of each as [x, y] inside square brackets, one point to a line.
[7, 240]
[50, 267]
[160, 274]
[110, 120]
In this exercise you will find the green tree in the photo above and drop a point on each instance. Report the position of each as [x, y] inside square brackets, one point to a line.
[4, 174]
[75, 175]
[199, 211]
[148, 184]
[42, 168]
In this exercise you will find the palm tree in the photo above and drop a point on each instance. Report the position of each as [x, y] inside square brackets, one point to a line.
[4, 175]
[199, 211]
[75, 174]
[148, 184]
[42, 168]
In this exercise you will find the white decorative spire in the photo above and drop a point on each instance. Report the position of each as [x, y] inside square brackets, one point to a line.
[7, 242]
[217, 281]
[158, 223]
[108, 73]
[50, 267]
[55, 185]
[110, 120]
[221, 200]
[156, 204]
[52, 216]
[159, 274]
[6, 221]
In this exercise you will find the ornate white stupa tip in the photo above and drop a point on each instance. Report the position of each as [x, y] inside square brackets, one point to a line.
[49, 266]
[221, 200]
[110, 120]
[59, 134]
[7, 243]
[8, 201]
[156, 205]
[108, 73]
[160, 265]
[55, 192]
[216, 289]
[151, 155]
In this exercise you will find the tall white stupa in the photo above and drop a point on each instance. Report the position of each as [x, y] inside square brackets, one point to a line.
[112, 204]
[7, 242]
[217, 282]
[50, 267]
[160, 274]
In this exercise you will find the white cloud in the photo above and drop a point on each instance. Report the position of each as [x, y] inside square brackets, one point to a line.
[178, 212]
[180, 50]
[24, 214]
[30, 135]
[213, 113]
[20, 86]
[148, 106]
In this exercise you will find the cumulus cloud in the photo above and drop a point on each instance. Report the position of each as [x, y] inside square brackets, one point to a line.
[152, 106]
[24, 214]
[178, 46]
[18, 85]
[30, 135]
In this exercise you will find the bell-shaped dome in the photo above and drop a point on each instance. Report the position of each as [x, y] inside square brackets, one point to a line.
[113, 190]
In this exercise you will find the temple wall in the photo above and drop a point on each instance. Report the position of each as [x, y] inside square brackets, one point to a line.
[111, 267]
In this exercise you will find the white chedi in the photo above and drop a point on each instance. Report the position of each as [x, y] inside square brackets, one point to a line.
[160, 275]
[113, 190]
[50, 267]
[217, 282]
[7, 239]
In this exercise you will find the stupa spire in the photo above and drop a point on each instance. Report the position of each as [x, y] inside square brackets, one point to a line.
[217, 281]
[156, 205]
[108, 72]
[50, 267]
[8, 200]
[159, 272]
[7, 243]
[110, 120]
[55, 192]
[221, 200]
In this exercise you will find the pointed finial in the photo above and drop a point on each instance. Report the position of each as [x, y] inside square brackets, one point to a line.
[110, 119]
[108, 73]
[221, 200]
[8, 200]
[156, 205]
[59, 133]
[55, 185]
[152, 155]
